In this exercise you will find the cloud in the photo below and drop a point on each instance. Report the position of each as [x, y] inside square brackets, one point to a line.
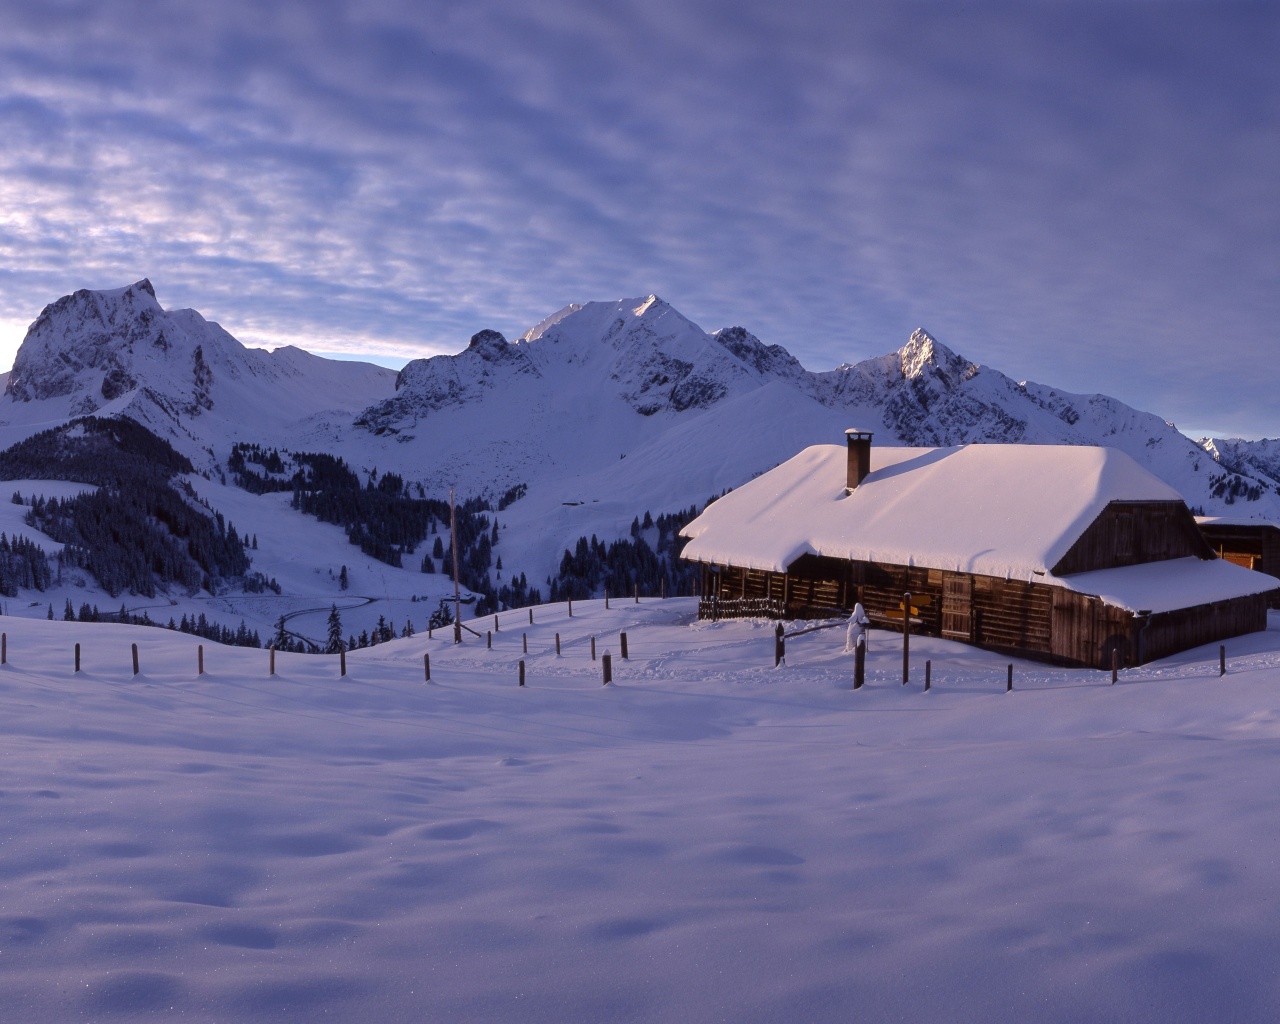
[1077, 193]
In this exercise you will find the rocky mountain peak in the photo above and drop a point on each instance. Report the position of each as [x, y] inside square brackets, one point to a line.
[923, 353]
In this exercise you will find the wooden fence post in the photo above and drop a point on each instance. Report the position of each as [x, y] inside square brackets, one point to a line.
[1009, 687]
[637, 589]
[273, 660]
[488, 637]
[426, 666]
[77, 657]
[607, 662]
[928, 673]
[606, 598]
[1222, 659]
[200, 659]
[779, 646]
[135, 659]
[1115, 666]
[593, 648]
[859, 661]
[906, 637]
[662, 589]
[531, 615]
[4, 648]
[342, 660]
[524, 643]
[622, 639]
[570, 608]
[557, 645]
[522, 671]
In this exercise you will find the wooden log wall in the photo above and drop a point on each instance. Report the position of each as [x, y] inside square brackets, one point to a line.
[1012, 615]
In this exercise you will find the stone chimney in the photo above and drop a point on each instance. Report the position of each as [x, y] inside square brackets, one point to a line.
[859, 457]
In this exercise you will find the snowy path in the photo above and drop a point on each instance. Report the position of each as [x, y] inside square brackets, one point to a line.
[709, 839]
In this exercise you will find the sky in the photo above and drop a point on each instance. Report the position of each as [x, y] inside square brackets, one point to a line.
[1080, 194]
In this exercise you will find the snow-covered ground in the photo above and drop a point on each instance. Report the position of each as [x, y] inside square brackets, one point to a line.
[707, 839]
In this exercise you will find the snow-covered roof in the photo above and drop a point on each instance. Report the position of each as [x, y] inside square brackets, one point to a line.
[992, 509]
[1173, 583]
[1236, 521]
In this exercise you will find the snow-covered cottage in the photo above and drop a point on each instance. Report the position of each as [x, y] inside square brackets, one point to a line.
[1056, 551]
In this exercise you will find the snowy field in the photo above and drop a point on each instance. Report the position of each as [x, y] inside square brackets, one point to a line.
[707, 839]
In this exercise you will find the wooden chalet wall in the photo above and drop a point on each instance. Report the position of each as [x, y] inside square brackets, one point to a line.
[1031, 619]
[1010, 615]
[1171, 632]
[1133, 532]
[1255, 547]
[1086, 630]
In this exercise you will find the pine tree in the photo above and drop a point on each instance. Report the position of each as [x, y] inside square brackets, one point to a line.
[281, 640]
[335, 632]
[343, 580]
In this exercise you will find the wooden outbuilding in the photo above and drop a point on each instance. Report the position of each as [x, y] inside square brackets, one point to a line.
[1252, 543]
[1066, 553]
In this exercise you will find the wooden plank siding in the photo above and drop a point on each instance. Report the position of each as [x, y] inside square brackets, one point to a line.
[1133, 532]
[1171, 632]
[1086, 630]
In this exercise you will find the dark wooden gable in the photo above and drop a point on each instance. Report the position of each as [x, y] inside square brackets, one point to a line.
[1133, 532]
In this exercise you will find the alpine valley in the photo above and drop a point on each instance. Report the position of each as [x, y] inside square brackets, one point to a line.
[165, 469]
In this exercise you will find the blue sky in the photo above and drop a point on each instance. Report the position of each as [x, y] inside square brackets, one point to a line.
[1083, 194]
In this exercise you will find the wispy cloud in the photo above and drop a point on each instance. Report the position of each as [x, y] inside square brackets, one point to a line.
[1077, 193]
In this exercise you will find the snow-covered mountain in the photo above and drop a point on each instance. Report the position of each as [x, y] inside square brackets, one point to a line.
[602, 411]
[118, 352]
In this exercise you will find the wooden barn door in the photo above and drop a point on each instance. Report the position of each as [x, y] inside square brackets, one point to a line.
[957, 606]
